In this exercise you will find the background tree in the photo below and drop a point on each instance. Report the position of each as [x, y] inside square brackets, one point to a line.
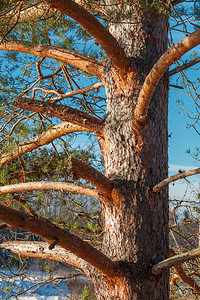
[124, 44]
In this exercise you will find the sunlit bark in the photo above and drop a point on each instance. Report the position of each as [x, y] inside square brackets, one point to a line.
[41, 250]
[78, 60]
[114, 51]
[43, 139]
[62, 112]
[66, 240]
[49, 185]
[158, 70]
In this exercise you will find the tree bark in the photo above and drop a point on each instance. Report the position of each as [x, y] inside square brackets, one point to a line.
[135, 158]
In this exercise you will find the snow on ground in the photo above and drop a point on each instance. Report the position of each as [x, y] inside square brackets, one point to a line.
[32, 285]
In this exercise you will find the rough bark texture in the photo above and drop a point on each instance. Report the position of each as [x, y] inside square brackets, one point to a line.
[135, 160]
[136, 233]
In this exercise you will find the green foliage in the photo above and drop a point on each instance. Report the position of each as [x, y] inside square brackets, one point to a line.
[86, 293]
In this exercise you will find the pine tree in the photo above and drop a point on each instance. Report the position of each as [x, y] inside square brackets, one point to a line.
[132, 66]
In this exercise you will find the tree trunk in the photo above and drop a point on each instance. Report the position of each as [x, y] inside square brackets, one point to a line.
[135, 157]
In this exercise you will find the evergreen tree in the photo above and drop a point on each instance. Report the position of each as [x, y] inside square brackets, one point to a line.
[121, 46]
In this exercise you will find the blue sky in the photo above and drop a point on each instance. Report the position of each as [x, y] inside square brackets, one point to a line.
[182, 138]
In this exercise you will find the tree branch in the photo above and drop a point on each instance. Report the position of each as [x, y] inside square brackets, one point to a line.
[43, 139]
[30, 13]
[80, 91]
[80, 61]
[62, 112]
[158, 70]
[80, 169]
[66, 240]
[175, 260]
[183, 67]
[181, 175]
[42, 10]
[41, 250]
[96, 29]
[49, 185]
[184, 277]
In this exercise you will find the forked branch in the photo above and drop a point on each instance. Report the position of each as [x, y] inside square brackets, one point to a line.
[43, 139]
[175, 260]
[158, 70]
[114, 51]
[65, 239]
[80, 61]
[170, 179]
[62, 112]
[49, 185]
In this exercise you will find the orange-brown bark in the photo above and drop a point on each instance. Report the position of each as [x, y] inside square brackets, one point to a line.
[78, 60]
[158, 70]
[114, 51]
[62, 112]
[43, 139]
[80, 91]
[80, 169]
[66, 240]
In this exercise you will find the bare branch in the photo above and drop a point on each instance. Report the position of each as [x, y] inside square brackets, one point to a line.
[62, 96]
[181, 175]
[82, 170]
[158, 70]
[183, 67]
[41, 250]
[62, 112]
[80, 61]
[43, 139]
[49, 185]
[175, 260]
[184, 277]
[80, 91]
[66, 240]
[96, 29]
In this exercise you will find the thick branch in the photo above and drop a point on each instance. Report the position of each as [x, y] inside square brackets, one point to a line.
[62, 112]
[80, 61]
[43, 139]
[158, 70]
[183, 67]
[66, 240]
[41, 250]
[82, 170]
[184, 277]
[170, 179]
[95, 28]
[49, 185]
[175, 260]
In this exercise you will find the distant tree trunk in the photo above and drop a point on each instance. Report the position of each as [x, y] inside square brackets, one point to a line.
[136, 233]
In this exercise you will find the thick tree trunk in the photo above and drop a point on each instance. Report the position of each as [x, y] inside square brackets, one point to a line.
[136, 232]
